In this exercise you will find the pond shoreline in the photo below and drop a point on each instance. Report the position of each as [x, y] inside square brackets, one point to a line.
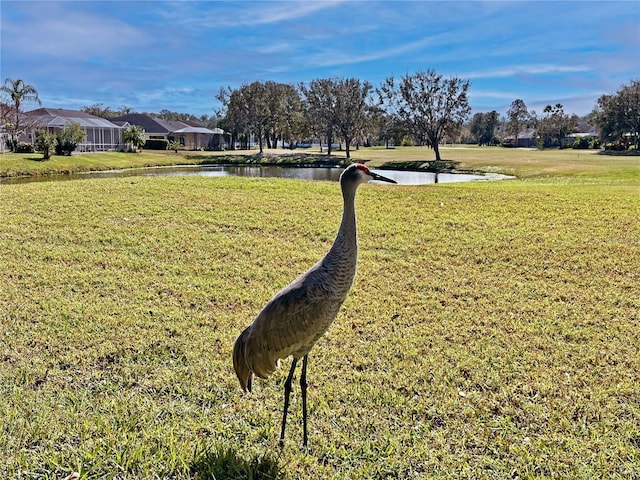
[314, 172]
[267, 159]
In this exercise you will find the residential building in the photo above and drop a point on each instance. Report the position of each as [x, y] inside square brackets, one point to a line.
[100, 134]
[190, 135]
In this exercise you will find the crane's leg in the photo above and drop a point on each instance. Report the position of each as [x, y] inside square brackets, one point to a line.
[287, 392]
[303, 387]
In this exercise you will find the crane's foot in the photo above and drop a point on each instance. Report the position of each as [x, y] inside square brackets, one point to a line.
[305, 446]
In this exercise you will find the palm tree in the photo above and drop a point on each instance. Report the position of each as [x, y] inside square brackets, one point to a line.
[134, 135]
[20, 94]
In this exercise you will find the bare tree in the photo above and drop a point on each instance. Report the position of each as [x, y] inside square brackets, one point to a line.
[351, 108]
[247, 111]
[230, 118]
[321, 107]
[286, 113]
[256, 103]
[337, 107]
[431, 106]
[292, 123]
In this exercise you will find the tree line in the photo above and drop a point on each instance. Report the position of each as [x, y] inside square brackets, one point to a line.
[549, 130]
[348, 111]
[423, 108]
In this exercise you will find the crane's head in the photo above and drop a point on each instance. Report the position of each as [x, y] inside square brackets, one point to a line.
[358, 173]
[243, 371]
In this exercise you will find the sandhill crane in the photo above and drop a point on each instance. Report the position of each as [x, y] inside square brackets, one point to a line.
[297, 316]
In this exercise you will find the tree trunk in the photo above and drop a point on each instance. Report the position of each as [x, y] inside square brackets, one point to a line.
[347, 143]
[436, 150]
[260, 140]
[329, 140]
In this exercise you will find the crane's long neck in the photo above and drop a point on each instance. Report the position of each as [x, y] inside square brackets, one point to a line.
[345, 247]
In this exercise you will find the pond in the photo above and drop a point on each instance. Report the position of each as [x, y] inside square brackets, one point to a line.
[301, 173]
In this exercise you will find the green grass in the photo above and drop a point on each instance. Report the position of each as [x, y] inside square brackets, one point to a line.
[550, 164]
[492, 332]
[16, 164]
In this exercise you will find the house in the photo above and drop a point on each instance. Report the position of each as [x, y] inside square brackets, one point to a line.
[583, 131]
[190, 135]
[527, 139]
[100, 134]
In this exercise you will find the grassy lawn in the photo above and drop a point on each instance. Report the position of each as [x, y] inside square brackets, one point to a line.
[15, 164]
[493, 330]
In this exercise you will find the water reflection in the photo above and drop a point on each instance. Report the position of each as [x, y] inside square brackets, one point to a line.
[300, 173]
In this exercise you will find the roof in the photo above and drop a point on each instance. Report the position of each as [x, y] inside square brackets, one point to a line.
[157, 125]
[586, 128]
[195, 130]
[121, 123]
[60, 117]
[149, 123]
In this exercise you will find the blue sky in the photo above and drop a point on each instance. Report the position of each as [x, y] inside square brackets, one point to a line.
[176, 55]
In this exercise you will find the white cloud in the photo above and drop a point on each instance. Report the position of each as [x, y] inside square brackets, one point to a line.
[54, 32]
[332, 57]
[255, 13]
[282, 11]
[510, 71]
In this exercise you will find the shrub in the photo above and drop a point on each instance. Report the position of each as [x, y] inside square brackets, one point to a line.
[134, 136]
[175, 146]
[156, 144]
[69, 138]
[615, 147]
[407, 141]
[45, 144]
[581, 143]
[24, 147]
[65, 146]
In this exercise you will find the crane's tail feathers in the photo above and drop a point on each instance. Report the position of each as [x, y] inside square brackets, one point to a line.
[243, 371]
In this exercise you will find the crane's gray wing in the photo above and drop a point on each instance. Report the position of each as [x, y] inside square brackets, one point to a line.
[291, 323]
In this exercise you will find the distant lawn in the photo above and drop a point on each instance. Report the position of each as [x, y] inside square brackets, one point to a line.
[12, 164]
[493, 330]
[520, 162]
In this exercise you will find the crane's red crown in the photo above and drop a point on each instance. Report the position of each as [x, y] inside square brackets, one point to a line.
[364, 168]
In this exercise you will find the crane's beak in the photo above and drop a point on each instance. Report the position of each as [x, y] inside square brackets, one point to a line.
[380, 178]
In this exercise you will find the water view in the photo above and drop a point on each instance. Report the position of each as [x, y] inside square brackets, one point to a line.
[301, 173]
